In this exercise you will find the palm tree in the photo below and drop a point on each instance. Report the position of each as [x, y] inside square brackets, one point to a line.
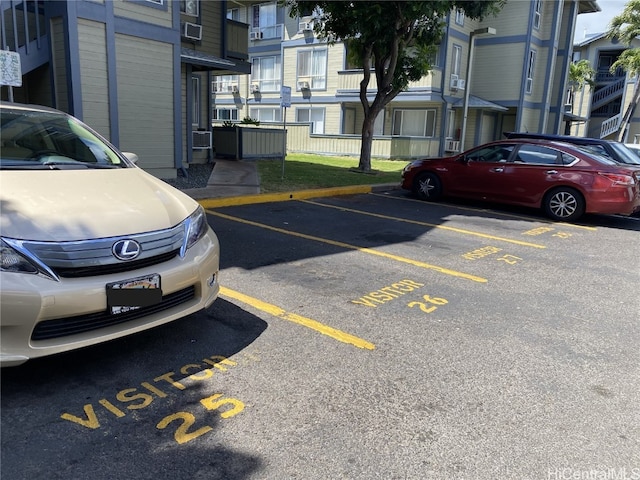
[626, 27]
[581, 73]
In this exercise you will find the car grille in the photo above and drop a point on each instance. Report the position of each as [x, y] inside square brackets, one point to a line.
[87, 258]
[62, 327]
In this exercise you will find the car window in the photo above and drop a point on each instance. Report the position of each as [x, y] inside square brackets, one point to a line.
[492, 153]
[599, 149]
[625, 153]
[535, 154]
[41, 139]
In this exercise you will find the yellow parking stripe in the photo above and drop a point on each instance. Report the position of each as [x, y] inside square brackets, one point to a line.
[300, 320]
[432, 225]
[370, 251]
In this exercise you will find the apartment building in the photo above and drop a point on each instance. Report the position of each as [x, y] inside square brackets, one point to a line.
[517, 81]
[611, 100]
[139, 71]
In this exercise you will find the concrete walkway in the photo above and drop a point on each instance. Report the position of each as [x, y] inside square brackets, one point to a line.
[229, 178]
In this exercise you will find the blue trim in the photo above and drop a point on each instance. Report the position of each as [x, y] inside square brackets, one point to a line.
[74, 82]
[177, 91]
[552, 54]
[112, 73]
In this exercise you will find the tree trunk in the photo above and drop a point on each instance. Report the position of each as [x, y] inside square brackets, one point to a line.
[626, 119]
[367, 142]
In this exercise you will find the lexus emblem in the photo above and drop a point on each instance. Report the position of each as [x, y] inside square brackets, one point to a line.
[126, 249]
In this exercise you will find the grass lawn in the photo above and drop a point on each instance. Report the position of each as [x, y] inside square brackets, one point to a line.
[303, 171]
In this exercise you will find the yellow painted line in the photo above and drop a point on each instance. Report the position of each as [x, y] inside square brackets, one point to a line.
[433, 225]
[494, 212]
[370, 251]
[300, 320]
[284, 196]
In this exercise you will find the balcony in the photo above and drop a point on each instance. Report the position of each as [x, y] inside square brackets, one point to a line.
[349, 80]
[237, 40]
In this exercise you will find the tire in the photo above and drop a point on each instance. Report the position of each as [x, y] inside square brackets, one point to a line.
[427, 186]
[564, 204]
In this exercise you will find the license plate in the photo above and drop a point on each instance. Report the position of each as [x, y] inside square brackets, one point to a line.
[134, 293]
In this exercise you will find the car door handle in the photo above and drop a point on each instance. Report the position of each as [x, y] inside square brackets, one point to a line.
[498, 169]
[552, 172]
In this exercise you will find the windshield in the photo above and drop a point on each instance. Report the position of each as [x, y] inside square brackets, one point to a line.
[626, 154]
[37, 140]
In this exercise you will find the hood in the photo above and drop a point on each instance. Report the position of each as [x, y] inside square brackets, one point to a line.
[69, 205]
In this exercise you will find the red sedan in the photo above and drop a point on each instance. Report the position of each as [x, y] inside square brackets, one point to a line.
[562, 179]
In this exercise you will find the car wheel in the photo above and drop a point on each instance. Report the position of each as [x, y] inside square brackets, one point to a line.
[565, 204]
[427, 186]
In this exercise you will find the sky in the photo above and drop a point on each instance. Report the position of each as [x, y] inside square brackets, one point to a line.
[598, 22]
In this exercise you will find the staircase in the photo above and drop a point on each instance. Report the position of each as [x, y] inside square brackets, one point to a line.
[607, 94]
[25, 31]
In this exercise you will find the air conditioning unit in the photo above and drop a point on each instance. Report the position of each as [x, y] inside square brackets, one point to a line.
[192, 31]
[451, 145]
[305, 26]
[234, 89]
[255, 35]
[454, 82]
[461, 84]
[201, 140]
[255, 88]
[303, 85]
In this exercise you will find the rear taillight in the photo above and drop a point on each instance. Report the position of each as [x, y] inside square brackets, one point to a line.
[619, 179]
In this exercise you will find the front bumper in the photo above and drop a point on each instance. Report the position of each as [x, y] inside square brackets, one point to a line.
[29, 302]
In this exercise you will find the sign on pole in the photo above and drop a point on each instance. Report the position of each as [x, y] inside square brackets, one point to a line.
[10, 69]
[285, 102]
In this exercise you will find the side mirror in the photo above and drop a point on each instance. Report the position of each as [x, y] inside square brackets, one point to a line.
[132, 157]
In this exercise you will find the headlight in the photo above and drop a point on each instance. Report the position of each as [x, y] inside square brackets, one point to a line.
[196, 226]
[12, 261]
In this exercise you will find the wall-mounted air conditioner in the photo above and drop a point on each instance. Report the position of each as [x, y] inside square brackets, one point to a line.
[461, 84]
[305, 26]
[454, 82]
[192, 31]
[255, 88]
[255, 35]
[201, 140]
[303, 84]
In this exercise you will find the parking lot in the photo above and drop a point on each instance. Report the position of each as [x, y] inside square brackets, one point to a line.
[362, 336]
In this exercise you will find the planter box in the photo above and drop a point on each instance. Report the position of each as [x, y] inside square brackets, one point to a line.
[241, 143]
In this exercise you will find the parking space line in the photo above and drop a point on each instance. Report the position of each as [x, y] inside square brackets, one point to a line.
[300, 320]
[432, 225]
[495, 212]
[370, 251]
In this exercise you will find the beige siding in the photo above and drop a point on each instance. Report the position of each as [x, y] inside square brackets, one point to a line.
[211, 18]
[487, 61]
[139, 11]
[94, 75]
[59, 64]
[145, 100]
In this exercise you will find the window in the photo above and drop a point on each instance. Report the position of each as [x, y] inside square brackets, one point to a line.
[195, 101]
[492, 154]
[312, 68]
[190, 7]
[537, 14]
[313, 115]
[264, 115]
[266, 73]
[224, 83]
[233, 14]
[459, 16]
[265, 20]
[538, 155]
[456, 59]
[415, 123]
[225, 114]
[530, 70]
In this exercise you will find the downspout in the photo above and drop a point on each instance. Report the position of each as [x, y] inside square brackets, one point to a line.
[445, 104]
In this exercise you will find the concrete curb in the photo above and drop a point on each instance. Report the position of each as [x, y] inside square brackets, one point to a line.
[297, 195]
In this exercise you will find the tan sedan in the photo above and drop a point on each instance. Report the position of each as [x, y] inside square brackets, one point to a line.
[93, 247]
